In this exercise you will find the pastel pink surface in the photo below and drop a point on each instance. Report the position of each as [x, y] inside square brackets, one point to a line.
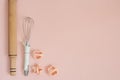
[80, 37]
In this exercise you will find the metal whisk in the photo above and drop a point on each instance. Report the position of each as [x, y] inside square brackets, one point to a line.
[27, 25]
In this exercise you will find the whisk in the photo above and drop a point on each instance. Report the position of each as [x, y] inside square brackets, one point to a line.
[27, 26]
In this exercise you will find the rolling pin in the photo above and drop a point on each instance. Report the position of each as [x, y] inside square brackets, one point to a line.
[12, 36]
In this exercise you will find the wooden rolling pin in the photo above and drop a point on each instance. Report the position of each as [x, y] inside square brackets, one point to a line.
[12, 36]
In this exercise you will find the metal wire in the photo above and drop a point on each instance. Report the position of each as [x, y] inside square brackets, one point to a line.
[27, 26]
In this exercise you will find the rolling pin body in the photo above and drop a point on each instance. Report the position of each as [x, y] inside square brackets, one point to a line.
[12, 36]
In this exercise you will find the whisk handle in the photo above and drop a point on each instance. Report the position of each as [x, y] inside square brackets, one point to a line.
[26, 59]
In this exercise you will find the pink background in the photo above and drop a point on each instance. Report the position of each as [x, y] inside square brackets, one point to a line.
[80, 37]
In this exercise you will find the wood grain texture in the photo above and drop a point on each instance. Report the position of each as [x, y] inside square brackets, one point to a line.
[12, 39]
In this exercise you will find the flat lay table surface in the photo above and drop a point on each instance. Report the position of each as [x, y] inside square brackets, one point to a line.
[80, 37]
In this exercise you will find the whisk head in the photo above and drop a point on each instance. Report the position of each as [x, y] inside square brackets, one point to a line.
[27, 26]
